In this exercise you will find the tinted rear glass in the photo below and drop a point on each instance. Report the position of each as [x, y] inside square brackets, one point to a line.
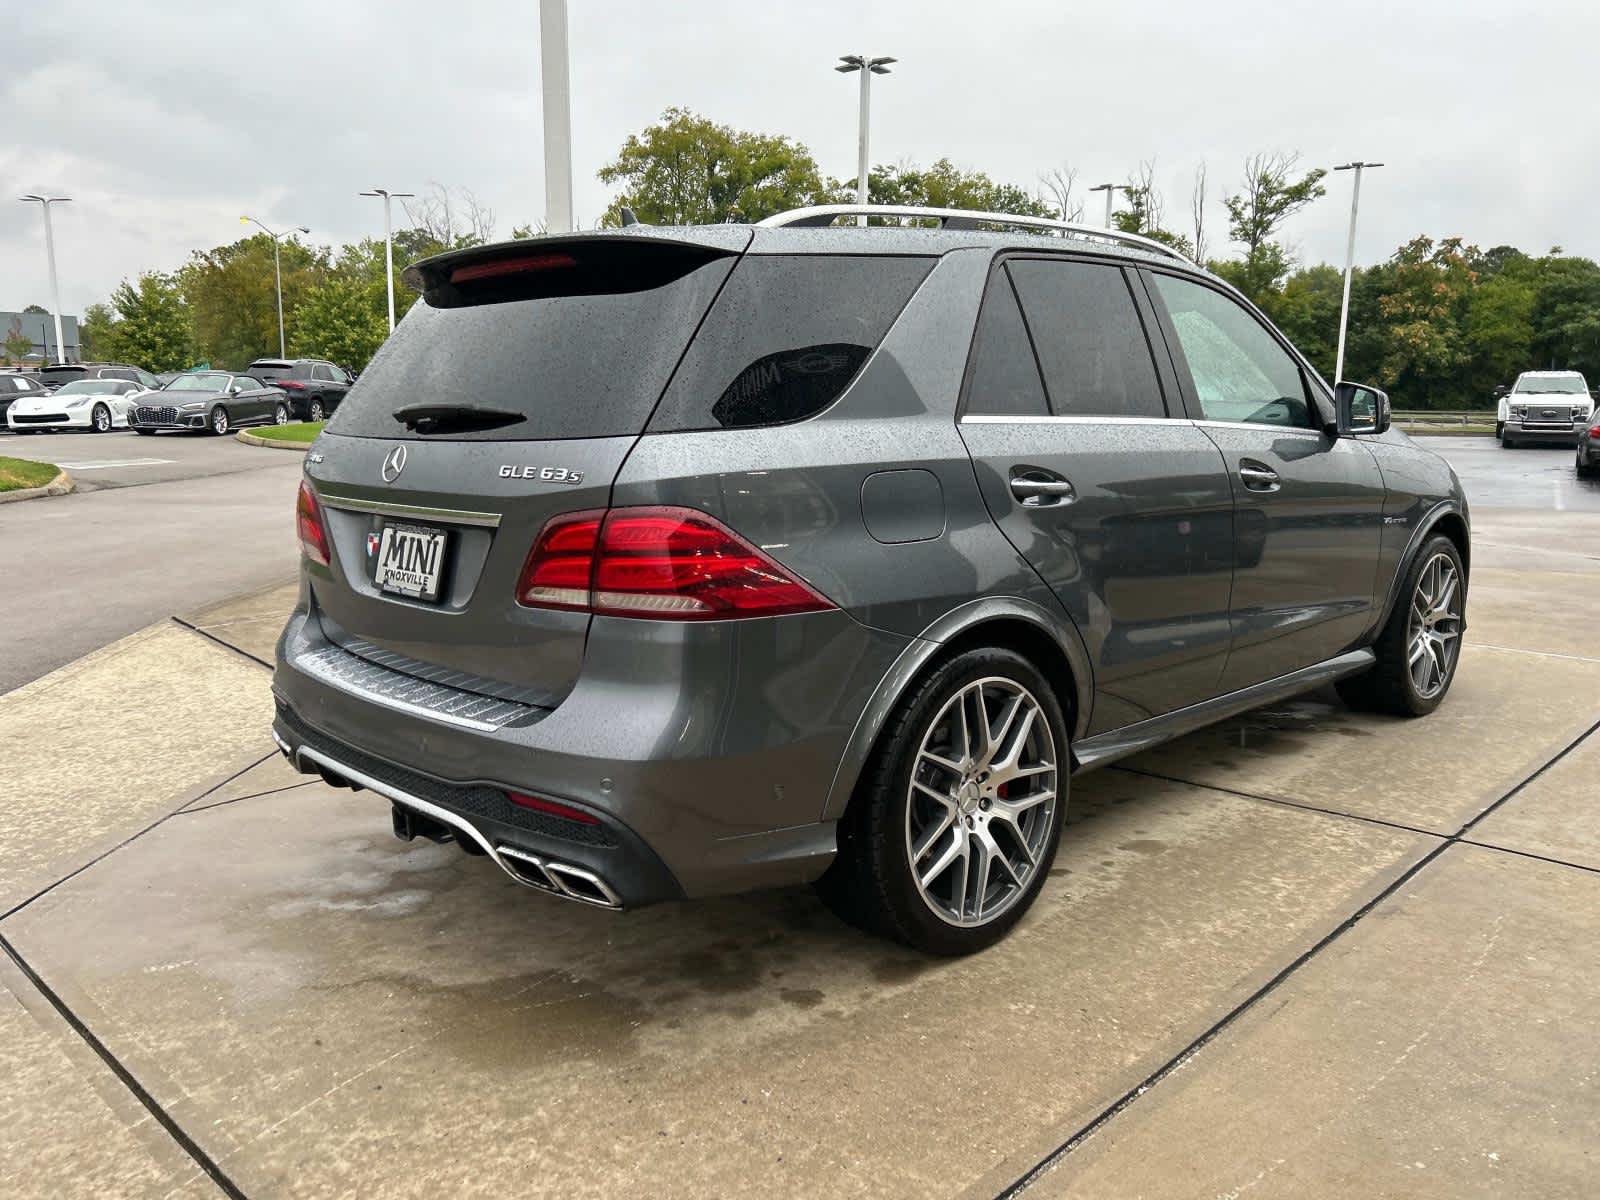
[280, 371]
[590, 364]
[59, 374]
[785, 339]
[1005, 376]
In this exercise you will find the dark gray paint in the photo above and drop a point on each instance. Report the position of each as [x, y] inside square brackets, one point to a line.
[731, 748]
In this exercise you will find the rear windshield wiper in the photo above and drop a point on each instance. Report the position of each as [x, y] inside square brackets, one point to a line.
[454, 418]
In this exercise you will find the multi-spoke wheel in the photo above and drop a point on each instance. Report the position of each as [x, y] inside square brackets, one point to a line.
[1434, 633]
[955, 820]
[1420, 646]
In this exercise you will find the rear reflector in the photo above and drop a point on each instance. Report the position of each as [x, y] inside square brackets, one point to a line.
[512, 266]
[553, 807]
[308, 522]
[668, 564]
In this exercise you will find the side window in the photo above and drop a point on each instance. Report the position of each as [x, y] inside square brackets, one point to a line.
[1005, 377]
[117, 373]
[1240, 371]
[147, 380]
[785, 338]
[322, 371]
[1091, 342]
[248, 383]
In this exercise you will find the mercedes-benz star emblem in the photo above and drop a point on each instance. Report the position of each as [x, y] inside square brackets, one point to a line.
[394, 464]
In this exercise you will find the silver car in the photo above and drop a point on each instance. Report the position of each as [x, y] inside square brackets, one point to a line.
[658, 563]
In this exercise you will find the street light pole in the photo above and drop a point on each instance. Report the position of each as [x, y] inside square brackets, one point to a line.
[868, 68]
[44, 203]
[388, 241]
[1349, 260]
[1110, 189]
[277, 273]
[555, 79]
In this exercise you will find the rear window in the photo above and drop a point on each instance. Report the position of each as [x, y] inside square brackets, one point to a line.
[786, 337]
[280, 370]
[61, 374]
[580, 344]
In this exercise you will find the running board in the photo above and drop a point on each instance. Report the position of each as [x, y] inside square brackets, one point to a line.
[1105, 748]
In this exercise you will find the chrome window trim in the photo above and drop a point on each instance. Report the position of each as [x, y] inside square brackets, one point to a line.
[1004, 419]
[1210, 424]
[389, 509]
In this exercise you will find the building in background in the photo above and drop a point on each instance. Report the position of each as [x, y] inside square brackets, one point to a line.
[40, 331]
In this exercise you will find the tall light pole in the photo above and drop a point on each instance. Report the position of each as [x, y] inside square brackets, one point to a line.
[555, 79]
[44, 203]
[868, 68]
[277, 273]
[1349, 260]
[1110, 189]
[388, 241]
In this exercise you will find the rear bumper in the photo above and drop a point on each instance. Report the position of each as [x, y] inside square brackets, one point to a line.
[706, 752]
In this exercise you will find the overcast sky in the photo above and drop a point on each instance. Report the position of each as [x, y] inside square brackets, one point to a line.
[167, 119]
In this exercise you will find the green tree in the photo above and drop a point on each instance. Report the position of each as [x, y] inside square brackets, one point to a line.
[1270, 196]
[37, 308]
[17, 343]
[1423, 314]
[1566, 316]
[343, 319]
[1499, 326]
[686, 170]
[96, 332]
[153, 329]
[1307, 310]
[231, 299]
[945, 185]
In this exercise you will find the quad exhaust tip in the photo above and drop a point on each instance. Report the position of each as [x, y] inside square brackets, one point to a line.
[415, 817]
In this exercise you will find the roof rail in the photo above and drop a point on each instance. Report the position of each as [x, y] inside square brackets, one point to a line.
[962, 218]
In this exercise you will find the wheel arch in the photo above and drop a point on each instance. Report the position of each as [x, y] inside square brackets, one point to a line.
[1445, 518]
[1048, 640]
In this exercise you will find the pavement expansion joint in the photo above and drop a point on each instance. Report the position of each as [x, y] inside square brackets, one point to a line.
[226, 645]
[1183, 1056]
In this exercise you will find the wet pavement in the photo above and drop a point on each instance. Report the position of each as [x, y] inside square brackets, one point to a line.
[1530, 477]
[1307, 951]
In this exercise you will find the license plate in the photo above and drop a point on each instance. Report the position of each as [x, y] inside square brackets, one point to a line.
[410, 561]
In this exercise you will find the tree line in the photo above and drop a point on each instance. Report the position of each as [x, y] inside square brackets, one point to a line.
[1438, 324]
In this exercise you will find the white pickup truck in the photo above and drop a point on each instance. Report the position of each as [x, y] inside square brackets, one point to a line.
[1543, 406]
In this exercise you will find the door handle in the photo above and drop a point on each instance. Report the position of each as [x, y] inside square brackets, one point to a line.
[1036, 489]
[1259, 477]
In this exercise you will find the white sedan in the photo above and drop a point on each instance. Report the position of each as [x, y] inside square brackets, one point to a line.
[97, 404]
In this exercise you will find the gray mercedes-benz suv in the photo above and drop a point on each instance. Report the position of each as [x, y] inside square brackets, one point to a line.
[656, 563]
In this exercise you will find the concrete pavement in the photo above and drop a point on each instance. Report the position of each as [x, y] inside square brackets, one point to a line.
[1261, 919]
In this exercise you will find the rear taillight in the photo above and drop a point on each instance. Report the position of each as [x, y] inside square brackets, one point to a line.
[668, 564]
[308, 520]
[294, 385]
[1594, 431]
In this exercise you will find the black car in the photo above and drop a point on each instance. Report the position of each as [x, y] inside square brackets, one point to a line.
[13, 386]
[1589, 447]
[216, 401]
[314, 385]
[59, 373]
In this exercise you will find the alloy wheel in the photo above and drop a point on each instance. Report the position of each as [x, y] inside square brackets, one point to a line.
[219, 421]
[1433, 633]
[102, 419]
[317, 410]
[280, 415]
[981, 801]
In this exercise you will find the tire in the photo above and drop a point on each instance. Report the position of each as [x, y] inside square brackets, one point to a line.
[1499, 429]
[1391, 685]
[1506, 443]
[965, 815]
[280, 414]
[315, 411]
[218, 422]
[100, 419]
[1586, 470]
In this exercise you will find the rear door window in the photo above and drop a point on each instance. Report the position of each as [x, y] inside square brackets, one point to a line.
[322, 371]
[1090, 341]
[579, 343]
[785, 338]
[1005, 376]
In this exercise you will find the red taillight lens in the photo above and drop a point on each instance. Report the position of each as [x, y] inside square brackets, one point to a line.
[512, 266]
[294, 385]
[1594, 431]
[670, 564]
[553, 807]
[308, 520]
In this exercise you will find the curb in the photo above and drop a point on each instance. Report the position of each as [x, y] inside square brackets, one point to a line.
[250, 439]
[59, 486]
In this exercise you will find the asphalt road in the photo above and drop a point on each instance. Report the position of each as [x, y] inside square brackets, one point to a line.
[1536, 477]
[161, 525]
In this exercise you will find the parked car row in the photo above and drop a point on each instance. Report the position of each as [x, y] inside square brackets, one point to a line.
[106, 396]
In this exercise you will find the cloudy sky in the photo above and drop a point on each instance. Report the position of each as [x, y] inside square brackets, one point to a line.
[167, 119]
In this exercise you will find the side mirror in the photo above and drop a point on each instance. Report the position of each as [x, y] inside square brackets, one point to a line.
[1500, 391]
[1361, 409]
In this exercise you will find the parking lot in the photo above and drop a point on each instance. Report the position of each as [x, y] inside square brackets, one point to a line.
[1306, 950]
